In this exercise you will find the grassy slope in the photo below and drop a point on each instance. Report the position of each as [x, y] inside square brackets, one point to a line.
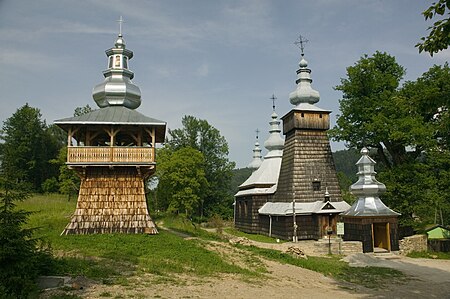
[100, 256]
[115, 255]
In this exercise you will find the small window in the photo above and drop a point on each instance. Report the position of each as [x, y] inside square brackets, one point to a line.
[320, 115]
[316, 185]
[110, 62]
[125, 63]
[303, 114]
[117, 63]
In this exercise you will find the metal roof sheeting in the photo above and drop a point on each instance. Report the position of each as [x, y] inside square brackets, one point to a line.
[303, 208]
[112, 115]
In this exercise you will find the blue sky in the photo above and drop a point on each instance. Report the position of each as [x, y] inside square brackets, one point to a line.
[217, 60]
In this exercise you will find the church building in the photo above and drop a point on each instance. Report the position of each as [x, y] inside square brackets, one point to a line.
[302, 199]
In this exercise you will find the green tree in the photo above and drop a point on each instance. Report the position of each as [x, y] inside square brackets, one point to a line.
[374, 114]
[200, 135]
[439, 37]
[21, 261]
[240, 175]
[69, 181]
[182, 180]
[82, 110]
[407, 125]
[28, 146]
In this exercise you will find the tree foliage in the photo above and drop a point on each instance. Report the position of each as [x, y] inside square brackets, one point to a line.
[28, 146]
[182, 180]
[408, 126]
[439, 37]
[200, 135]
[21, 261]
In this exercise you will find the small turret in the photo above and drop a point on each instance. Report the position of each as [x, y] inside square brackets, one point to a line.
[117, 88]
[257, 158]
[368, 189]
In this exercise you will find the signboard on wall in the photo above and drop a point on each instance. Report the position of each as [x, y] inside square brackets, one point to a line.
[340, 228]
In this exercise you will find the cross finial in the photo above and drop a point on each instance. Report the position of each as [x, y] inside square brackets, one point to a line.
[301, 42]
[273, 98]
[257, 133]
[120, 25]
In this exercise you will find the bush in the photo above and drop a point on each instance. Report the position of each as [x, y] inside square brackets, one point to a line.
[50, 185]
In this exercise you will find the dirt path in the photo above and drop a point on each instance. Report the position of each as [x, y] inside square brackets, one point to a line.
[429, 278]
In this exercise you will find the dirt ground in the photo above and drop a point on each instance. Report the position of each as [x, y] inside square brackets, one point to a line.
[426, 279]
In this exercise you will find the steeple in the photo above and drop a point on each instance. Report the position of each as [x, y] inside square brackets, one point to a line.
[368, 189]
[304, 93]
[274, 144]
[117, 88]
[257, 158]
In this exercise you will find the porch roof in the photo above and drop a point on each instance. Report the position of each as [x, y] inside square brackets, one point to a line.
[303, 208]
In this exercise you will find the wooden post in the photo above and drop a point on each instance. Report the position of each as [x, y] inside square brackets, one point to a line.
[153, 137]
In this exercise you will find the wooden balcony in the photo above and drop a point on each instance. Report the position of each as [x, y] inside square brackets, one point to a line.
[93, 155]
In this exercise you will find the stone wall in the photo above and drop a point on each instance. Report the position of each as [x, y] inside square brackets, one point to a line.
[413, 243]
[346, 247]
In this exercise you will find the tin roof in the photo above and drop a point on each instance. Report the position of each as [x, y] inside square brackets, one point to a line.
[367, 188]
[264, 179]
[303, 208]
[115, 115]
[369, 206]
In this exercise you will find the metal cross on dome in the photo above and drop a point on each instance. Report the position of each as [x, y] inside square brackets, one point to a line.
[273, 98]
[257, 133]
[120, 25]
[301, 42]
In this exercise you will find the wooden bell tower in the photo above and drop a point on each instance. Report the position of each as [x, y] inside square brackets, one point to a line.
[113, 151]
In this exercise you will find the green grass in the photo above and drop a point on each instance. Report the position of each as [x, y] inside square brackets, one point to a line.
[333, 266]
[112, 258]
[430, 255]
[184, 226]
[103, 256]
[254, 237]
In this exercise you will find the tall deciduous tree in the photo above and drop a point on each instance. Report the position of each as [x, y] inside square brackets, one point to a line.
[408, 126]
[439, 37]
[28, 146]
[182, 180]
[200, 135]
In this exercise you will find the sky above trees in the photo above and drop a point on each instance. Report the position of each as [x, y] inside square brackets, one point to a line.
[216, 60]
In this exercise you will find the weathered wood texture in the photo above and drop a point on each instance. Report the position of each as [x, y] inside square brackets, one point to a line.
[360, 229]
[307, 158]
[110, 154]
[283, 227]
[246, 212]
[111, 201]
[296, 119]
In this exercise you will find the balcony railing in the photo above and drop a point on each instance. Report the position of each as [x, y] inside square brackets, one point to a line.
[110, 154]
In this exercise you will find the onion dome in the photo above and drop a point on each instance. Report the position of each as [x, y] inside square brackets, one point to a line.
[117, 88]
[367, 189]
[304, 92]
[274, 144]
[257, 158]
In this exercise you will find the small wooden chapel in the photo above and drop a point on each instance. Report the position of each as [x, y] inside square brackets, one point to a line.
[112, 149]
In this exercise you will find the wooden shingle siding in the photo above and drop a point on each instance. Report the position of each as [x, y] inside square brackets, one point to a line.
[111, 201]
[307, 157]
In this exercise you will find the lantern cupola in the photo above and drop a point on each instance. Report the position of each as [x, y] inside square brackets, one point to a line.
[117, 88]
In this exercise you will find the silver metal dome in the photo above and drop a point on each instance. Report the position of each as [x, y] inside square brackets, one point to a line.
[117, 88]
[304, 92]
